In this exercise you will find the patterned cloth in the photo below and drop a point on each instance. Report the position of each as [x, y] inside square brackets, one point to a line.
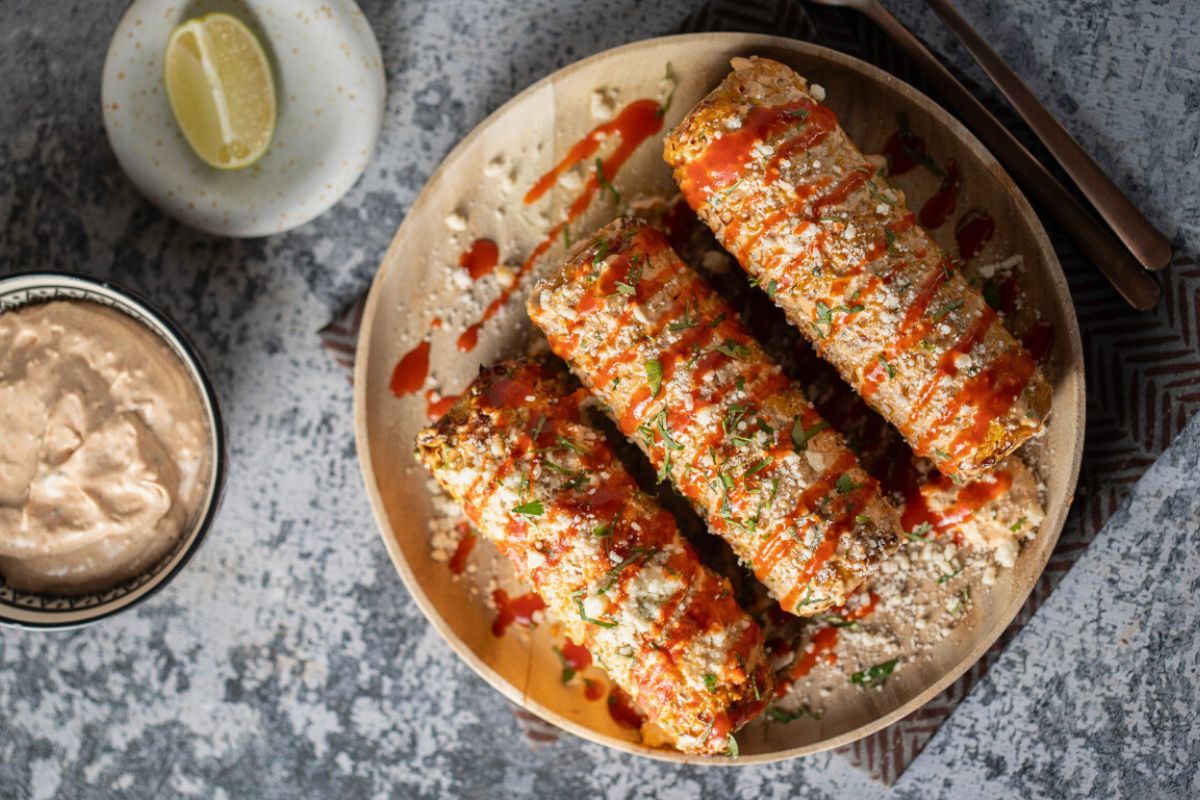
[1142, 369]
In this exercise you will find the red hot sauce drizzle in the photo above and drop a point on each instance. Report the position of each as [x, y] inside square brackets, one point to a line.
[938, 208]
[972, 233]
[904, 149]
[636, 123]
[436, 409]
[821, 646]
[968, 500]
[481, 259]
[514, 609]
[411, 371]
[623, 711]
[466, 543]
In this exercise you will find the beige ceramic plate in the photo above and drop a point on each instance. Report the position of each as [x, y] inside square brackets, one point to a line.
[416, 283]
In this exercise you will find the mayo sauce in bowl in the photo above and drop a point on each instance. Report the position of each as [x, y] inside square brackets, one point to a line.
[109, 465]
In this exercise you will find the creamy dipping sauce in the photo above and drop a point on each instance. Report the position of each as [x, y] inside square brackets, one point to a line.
[106, 447]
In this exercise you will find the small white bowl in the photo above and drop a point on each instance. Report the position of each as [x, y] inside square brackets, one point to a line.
[32, 610]
[330, 92]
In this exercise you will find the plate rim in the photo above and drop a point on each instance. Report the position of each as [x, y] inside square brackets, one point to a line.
[987, 638]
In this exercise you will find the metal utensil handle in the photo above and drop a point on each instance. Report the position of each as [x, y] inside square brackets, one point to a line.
[1148, 246]
[1101, 247]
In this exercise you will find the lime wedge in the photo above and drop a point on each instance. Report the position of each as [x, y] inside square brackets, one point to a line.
[220, 88]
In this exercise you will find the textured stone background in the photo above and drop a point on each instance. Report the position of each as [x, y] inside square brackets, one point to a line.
[288, 660]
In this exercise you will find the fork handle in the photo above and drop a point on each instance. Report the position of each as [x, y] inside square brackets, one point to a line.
[1103, 249]
[1148, 246]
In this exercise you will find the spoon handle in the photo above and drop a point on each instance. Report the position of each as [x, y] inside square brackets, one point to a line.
[1148, 246]
[1101, 247]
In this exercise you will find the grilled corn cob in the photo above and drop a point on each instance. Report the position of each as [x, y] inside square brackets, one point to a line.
[543, 485]
[769, 169]
[684, 378]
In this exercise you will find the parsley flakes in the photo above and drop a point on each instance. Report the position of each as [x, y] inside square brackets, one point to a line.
[654, 376]
[876, 675]
[801, 436]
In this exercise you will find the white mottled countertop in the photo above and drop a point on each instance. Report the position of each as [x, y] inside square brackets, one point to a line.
[288, 660]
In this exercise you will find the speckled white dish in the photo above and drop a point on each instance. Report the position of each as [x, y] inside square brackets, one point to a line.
[330, 87]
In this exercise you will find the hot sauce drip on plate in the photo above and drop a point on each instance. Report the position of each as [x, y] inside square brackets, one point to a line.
[1038, 340]
[904, 149]
[481, 259]
[823, 642]
[622, 709]
[411, 371]
[635, 123]
[938, 208]
[576, 656]
[436, 409]
[514, 609]
[458, 561]
[972, 233]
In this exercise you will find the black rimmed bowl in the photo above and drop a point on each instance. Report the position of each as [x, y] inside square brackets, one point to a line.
[31, 610]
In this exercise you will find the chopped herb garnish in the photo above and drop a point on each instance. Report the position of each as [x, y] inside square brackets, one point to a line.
[808, 599]
[891, 371]
[537, 428]
[733, 349]
[779, 715]
[941, 454]
[854, 309]
[839, 622]
[732, 417]
[920, 533]
[558, 468]
[568, 671]
[846, 484]
[824, 317]
[666, 106]
[991, 293]
[1016, 526]
[876, 675]
[566, 237]
[664, 430]
[614, 574]
[603, 530]
[601, 252]
[710, 681]
[664, 471]
[771, 289]
[891, 240]
[732, 747]
[654, 376]
[567, 443]
[531, 509]
[862, 519]
[604, 184]
[833, 218]
[689, 319]
[801, 436]
[964, 599]
[951, 576]
[603, 623]
[629, 285]
[946, 309]
[754, 469]
[799, 114]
